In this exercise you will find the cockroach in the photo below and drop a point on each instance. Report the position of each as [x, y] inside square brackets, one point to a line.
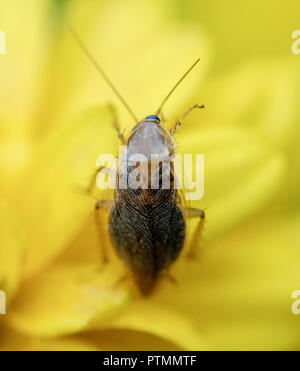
[147, 226]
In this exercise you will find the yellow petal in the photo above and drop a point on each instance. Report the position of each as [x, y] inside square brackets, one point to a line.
[261, 95]
[11, 248]
[128, 340]
[163, 321]
[20, 66]
[267, 265]
[239, 290]
[65, 299]
[51, 196]
[13, 341]
[241, 174]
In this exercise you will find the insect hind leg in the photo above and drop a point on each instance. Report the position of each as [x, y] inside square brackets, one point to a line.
[102, 205]
[191, 213]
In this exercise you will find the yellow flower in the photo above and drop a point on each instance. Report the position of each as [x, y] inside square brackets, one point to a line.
[54, 123]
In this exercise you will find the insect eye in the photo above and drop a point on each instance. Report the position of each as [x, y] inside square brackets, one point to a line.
[152, 118]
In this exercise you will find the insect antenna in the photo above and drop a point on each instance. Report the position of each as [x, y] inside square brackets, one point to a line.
[84, 48]
[172, 90]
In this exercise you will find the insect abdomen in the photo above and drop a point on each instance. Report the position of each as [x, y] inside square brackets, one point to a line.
[147, 239]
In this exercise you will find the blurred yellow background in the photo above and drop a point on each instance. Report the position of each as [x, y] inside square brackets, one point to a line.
[54, 122]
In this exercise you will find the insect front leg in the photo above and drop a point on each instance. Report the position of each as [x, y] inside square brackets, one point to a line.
[179, 122]
[102, 205]
[195, 213]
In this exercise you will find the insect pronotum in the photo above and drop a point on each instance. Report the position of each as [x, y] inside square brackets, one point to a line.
[146, 225]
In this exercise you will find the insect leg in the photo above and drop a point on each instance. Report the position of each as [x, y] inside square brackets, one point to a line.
[116, 124]
[171, 279]
[94, 177]
[179, 122]
[195, 213]
[102, 205]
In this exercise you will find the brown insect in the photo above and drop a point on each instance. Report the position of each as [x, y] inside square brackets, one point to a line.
[146, 224]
